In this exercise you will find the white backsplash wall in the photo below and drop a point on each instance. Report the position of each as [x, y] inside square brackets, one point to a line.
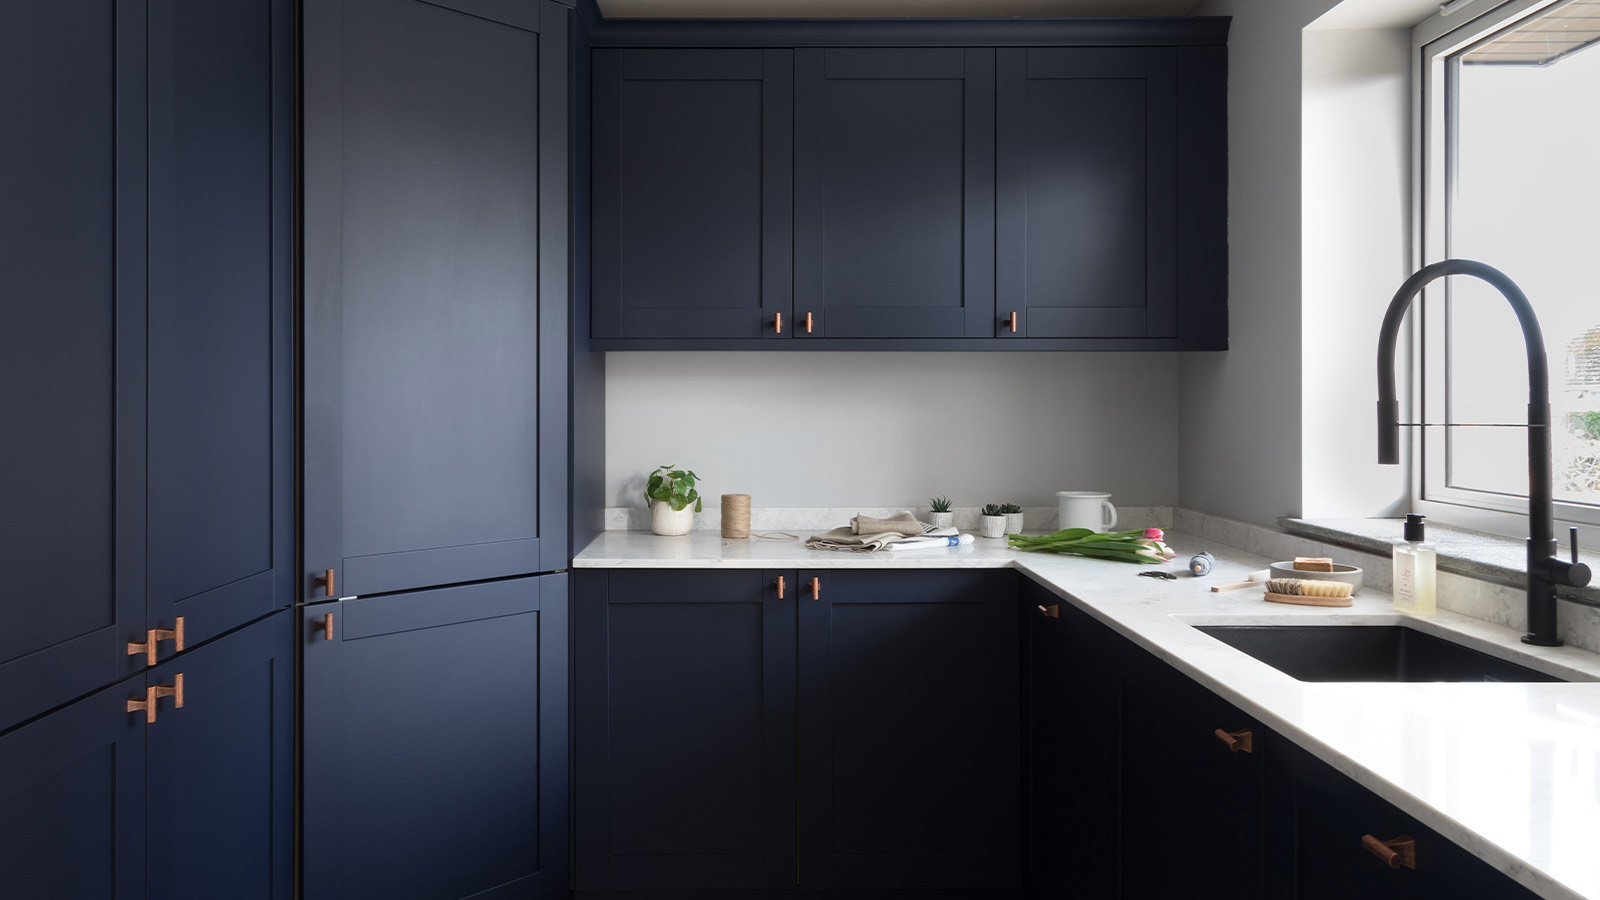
[889, 429]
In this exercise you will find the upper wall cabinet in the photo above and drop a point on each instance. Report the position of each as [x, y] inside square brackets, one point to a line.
[977, 185]
[692, 193]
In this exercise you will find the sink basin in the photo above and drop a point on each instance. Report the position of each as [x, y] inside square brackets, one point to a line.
[1367, 653]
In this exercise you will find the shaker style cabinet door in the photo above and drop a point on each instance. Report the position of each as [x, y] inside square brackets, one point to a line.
[436, 292]
[692, 195]
[1088, 202]
[434, 743]
[894, 193]
[685, 732]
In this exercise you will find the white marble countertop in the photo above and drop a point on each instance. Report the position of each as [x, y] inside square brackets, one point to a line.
[1511, 772]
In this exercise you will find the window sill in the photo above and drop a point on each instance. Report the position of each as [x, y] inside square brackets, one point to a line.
[1475, 554]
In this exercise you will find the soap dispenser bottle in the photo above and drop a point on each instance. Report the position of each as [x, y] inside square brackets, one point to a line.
[1416, 583]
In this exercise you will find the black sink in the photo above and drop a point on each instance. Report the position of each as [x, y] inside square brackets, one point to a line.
[1367, 653]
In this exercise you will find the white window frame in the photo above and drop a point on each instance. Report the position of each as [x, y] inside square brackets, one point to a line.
[1457, 26]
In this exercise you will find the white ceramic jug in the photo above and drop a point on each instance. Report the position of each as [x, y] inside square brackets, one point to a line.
[1085, 509]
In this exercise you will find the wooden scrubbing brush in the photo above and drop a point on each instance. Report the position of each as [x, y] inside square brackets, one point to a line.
[1305, 592]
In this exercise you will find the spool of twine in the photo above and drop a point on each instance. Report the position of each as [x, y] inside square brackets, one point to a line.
[735, 515]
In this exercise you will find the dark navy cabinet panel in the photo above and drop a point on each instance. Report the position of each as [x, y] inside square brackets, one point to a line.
[221, 769]
[436, 292]
[434, 748]
[692, 193]
[72, 328]
[685, 687]
[894, 193]
[908, 730]
[1088, 192]
[221, 386]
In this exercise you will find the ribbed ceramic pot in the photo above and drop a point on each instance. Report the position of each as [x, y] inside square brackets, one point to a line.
[941, 519]
[992, 526]
[1014, 523]
[665, 520]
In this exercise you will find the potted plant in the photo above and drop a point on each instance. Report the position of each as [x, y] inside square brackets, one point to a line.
[1013, 514]
[992, 524]
[670, 492]
[939, 514]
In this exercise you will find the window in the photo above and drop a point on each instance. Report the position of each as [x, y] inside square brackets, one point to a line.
[1509, 175]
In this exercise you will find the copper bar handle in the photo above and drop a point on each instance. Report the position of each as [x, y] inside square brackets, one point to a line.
[1237, 741]
[1013, 321]
[173, 634]
[1053, 611]
[326, 625]
[780, 587]
[326, 580]
[816, 588]
[1398, 853]
[148, 704]
[808, 323]
[173, 690]
[148, 648]
[777, 323]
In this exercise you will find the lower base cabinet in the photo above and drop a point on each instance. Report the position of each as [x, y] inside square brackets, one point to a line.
[176, 785]
[755, 730]
[435, 743]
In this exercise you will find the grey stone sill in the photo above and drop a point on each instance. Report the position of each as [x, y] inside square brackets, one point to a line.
[1487, 557]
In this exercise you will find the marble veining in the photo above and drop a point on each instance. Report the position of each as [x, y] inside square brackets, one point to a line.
[1511, 772]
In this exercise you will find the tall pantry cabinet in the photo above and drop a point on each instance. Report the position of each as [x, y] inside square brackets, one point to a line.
[433, 618]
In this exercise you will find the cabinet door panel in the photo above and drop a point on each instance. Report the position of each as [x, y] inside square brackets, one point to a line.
[908, 730]
[894, 198]
[220, 371]
[685, 730]
[1088, 193]
[72, 802]
[436, 294]
[427, 721]
[71, 349]
[692, 193]
[221, 769]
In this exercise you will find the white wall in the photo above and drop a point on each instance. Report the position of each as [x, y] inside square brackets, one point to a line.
[889, 429]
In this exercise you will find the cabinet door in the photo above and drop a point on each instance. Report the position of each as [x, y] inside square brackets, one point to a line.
[1189, 799]
[221, 769]
[692, 193]
[1070, 713]
[221, 380]
[1088, 194]
[72, 801]
[436, 292]
[909, 721]
[685, 730]
[434, 749]
[894, 193]
[72, 327]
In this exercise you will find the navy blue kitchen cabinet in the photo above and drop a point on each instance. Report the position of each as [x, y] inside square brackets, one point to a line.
[175, 784]
[434, 749]
[693, 197]
[894, 193]
[145, 341]
[684, 686]
[436, 291]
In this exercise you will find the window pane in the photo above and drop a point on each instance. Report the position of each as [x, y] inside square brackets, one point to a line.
[1526, 158]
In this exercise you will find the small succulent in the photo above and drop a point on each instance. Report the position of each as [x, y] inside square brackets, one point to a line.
[994, 509]
[1008, 508]
[939, 504]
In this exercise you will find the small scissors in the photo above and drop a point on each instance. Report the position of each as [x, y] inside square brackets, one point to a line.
[1170, 576]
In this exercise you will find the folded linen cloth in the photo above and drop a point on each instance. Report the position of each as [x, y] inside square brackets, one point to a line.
[842, 538]
[930, 542]
[903, 522]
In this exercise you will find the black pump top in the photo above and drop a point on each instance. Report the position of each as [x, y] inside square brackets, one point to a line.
[1414, 528]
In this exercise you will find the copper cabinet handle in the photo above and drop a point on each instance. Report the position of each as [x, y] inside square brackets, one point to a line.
[1013, 322]
[148, 648]
[1237, 741]
[780, 587]
[816, 588]
[1400, 852]
[173, 690]
[777, 323]
[808, 323]
[148, 704]
[326, 625]
[173, 634]
[1053, 611]
[326, 580]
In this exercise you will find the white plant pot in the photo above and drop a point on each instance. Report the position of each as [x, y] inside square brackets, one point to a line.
[668, 521]
[941, 519]
[992, 526]
[1013, 523]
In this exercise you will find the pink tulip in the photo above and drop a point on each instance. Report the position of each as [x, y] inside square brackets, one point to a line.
[1154, 534]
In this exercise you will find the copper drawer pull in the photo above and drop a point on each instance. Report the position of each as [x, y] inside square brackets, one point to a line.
[816, 588]
[1053, 611]
[808, 323]
[1013, 322]
[148, 648]
[780, 587]
[1237, 741]
[174, 690]
[1401, 852]
[148, 704]
[326, 625]
[777, 323]
[326, 580]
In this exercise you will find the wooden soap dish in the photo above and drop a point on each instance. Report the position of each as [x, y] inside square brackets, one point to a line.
[1308, 601]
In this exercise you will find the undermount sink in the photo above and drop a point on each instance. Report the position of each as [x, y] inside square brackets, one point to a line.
[1368, 653]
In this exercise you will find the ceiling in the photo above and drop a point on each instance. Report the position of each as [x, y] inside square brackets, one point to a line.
[891, 9]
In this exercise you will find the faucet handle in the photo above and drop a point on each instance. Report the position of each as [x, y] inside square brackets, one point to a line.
[1575, 573]
[1574, 544]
